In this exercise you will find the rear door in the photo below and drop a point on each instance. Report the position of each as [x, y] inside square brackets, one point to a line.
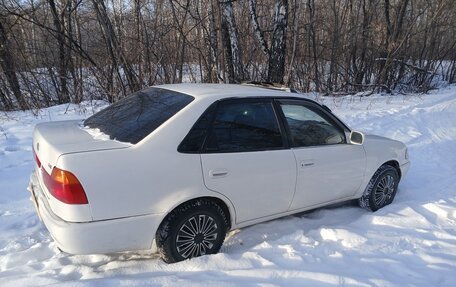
[328, 168]
[246, 158]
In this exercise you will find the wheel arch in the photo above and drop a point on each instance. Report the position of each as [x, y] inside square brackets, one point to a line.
[372, 166]
[227, 208]
[395, 164]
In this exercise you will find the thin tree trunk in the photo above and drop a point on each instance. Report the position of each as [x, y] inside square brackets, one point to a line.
[6, 102]
[332, 78]
[139, 58]
[9, 68]
[63, 93]
[295, 39]
[392, 43]
[114, 47]
[182, 33]
[359, 76]
[311, 7]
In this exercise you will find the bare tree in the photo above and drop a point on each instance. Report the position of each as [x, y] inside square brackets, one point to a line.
[59, 26]
[393, 42]
[114, 49]
[9, 69]
[69, 50]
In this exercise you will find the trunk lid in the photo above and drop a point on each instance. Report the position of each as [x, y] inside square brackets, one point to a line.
[53, 139]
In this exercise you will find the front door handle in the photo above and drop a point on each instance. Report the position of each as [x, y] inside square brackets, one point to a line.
[218, 172]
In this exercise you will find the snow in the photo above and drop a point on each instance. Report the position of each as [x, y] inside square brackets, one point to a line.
[411, 242]
[95, 133]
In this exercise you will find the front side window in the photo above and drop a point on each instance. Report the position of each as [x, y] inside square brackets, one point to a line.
[310, 127]
[244, 126]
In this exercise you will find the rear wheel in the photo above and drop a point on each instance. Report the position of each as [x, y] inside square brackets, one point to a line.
[381, 189]
[193, 229]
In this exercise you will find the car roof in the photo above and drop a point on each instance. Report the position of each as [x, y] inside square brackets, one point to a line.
[221, 91]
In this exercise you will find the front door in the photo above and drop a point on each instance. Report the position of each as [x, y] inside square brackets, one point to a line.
[327, 173]
[328, 167]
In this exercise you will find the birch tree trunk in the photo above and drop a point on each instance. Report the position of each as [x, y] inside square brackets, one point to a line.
[277, 53]
[259, 34]
[230, 37]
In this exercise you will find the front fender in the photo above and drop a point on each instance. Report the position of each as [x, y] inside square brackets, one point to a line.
[380, 150]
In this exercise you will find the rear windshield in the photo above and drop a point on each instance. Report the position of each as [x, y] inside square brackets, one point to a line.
[133, 118]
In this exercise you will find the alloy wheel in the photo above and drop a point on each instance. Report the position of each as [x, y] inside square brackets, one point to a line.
[384, 191]
[196, 236]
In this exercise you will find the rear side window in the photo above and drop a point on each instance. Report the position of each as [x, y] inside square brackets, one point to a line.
[244, 126]
[133, 118]
[195, 139]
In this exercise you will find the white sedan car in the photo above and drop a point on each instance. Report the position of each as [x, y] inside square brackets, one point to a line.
[173, 168]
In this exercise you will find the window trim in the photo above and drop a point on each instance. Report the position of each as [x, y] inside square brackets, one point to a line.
[305, 103]
[280, 117]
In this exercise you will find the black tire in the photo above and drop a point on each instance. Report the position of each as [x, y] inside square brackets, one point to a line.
[381, 189]
[193, 229]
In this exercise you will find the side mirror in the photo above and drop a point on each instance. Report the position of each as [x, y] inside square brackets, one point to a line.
[356, 138]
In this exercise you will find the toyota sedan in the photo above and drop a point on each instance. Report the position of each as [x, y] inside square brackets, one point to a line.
[173, 168]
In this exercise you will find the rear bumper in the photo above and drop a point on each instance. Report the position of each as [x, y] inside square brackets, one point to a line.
[116, 235]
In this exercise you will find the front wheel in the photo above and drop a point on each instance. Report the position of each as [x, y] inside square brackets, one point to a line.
[193, 229]
[381, 188]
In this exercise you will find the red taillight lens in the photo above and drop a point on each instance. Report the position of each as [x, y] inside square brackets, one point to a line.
[64, 186]
[37, 160]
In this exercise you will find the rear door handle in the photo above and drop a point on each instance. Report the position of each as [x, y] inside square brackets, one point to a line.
[307, 163]
[218, 172]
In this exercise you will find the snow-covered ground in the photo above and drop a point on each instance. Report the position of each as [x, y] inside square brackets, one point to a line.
[412, 242]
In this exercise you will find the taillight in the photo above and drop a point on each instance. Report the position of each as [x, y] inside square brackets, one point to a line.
[37, 160]
[64, 186]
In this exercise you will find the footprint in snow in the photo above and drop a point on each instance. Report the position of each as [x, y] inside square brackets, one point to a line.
[12, 148]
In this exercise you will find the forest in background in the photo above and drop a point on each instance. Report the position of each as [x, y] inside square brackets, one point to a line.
[54, 52]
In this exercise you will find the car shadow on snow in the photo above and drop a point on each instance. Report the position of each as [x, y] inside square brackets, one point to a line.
[241, 240]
